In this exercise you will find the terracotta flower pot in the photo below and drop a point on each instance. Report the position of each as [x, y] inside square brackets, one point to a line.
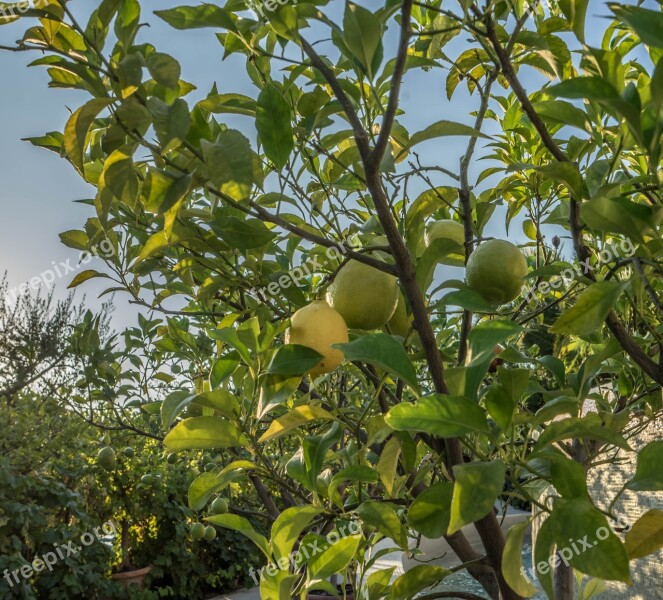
[137, 577]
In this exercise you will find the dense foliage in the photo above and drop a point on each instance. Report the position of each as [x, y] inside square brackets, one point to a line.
[411, 436]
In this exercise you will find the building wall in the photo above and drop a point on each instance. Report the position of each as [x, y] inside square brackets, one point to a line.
[604, 482]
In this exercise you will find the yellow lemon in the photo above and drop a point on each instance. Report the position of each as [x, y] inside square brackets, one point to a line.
[318, 326]
[496, 270]
[364, 296]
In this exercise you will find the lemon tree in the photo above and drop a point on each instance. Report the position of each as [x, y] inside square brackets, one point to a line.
[230, 235]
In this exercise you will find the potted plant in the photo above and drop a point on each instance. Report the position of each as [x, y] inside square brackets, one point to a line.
[120, 473]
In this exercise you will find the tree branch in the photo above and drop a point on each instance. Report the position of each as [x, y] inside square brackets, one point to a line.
[583, 253]
[396, 81]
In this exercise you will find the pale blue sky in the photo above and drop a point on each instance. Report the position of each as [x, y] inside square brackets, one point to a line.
[37, 188]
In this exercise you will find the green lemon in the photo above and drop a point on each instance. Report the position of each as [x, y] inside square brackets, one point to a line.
[210, 533]
[496, 270]
[172, 458]
[197, 531]
[318, 326]
[129, 452]
[400, 322]
[365, 297]
[219, 506]
[106, 458]
[445, 229]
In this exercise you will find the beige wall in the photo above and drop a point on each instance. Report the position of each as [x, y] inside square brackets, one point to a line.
[604, 483]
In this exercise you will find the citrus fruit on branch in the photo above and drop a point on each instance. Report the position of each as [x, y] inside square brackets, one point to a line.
[197, 531]
[364, 296]
[496, 270]
[318, 326]
[445, 229]
[106, 458]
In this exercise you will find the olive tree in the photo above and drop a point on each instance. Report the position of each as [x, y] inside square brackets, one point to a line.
[421, 434]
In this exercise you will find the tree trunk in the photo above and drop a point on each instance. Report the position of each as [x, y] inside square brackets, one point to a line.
[563, 581]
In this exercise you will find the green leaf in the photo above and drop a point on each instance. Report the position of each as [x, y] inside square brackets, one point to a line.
[430, 511]
[441, 415]
[163, 191]
[500, 405]
[204, 486]
[202, 433]
[577, 519]
[242, 234]
[383, 351]
[220, 400]
[514, 381]
[378, 582]
[77, 129]
[73, 238]
[192, 17]
[275, 390]
[485, 336]
[229, 103]
[165, 70]
[415, 580]
[362, 473]
[543, 551]
[575, 12]
[298, 416]
[274, 125]
[387, 466]
[230, 163]
[288, 527]
[476, 488]
[618, 215]
[243, 526]
[440, 251]
[84, 276]
[221, 370]
[469, 300]
[362, 34]
[656, 86]
[562, 405]
[444, 129]
[590, 426]
[646, 535]
[567, 475]
[173, 405]
[512, 560]
[334, 559]
[649, 470]
[648, 24]
[171, 122]
[383, 517]
[562, 113]
[293, 359]
[590, 309]
[591, 88]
